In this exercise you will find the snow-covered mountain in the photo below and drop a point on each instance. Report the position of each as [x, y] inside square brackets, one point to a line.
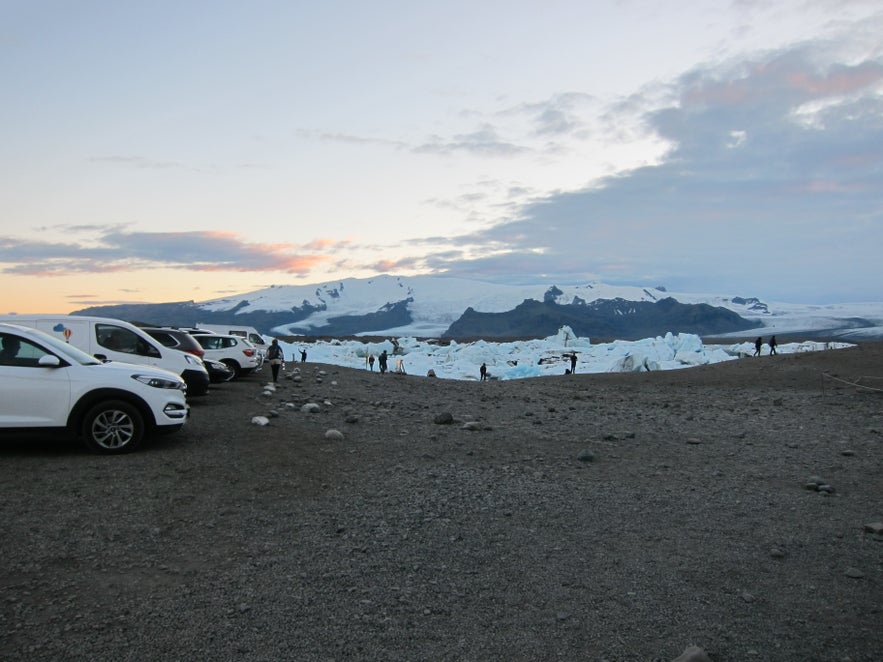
[428, 306]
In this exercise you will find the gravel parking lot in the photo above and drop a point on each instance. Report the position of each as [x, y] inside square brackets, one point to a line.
[590, 517]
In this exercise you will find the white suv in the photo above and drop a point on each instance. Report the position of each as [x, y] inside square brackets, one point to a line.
[234, 351]
[48, 385]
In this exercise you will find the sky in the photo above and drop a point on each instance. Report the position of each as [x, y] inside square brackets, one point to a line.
[188, 150]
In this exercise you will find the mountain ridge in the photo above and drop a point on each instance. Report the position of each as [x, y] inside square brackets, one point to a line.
[433, 306]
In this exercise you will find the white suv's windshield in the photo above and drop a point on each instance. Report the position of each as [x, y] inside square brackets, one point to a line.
[66, 350]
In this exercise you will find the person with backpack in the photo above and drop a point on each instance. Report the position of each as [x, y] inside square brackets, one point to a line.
[275, 356]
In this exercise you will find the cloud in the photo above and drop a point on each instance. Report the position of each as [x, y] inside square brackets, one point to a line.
[354, 140]
[139, 162]
[484, 141]
[116, 251]
[750, 195]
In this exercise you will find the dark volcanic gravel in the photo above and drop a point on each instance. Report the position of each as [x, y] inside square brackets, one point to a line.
[584, 517]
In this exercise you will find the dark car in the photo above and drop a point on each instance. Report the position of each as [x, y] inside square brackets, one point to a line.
[218, 372]
[184, 342]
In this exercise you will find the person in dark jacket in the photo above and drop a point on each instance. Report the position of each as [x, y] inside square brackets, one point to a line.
[275, 356]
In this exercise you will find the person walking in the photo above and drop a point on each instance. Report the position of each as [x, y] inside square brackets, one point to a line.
[381, 361]
[757, 345]
[275, 355]
[371, 362]
[773, 345]
[483, 372]
[572, 362]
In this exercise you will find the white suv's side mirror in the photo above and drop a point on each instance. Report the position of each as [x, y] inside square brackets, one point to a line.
[49, 361]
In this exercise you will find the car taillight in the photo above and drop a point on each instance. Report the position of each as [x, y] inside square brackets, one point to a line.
[248, 352]
[197, 352]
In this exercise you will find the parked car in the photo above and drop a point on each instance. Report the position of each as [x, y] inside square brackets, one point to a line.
[237, 353]
[218, 372]
[114, 340]
[197, 382]
[248, 332]
[50, 386]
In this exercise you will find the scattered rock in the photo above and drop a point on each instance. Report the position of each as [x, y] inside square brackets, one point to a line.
[586, 455]
[874, 527]
[854, 573]
[777, 553]
[445, 418]
[311, 408]
[336, 435]
[471, 425]
[692, 654]
[818, 484]
[260, 420]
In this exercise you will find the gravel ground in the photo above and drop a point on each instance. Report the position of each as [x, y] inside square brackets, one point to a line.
[583, 517]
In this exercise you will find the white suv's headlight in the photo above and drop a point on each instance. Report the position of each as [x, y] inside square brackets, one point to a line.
[160, 382]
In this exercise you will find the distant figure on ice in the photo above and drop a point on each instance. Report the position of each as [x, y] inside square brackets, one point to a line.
[483, 372]
[400, 367]
[303, 356]
[573, 363]
[275, 356]
[757, 345]
[381, 360]
[371, 362]
[773, 345]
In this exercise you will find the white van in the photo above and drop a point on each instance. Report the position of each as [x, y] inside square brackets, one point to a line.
[248, 332]
[114, 340]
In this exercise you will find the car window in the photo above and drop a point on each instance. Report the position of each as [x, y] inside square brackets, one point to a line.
[124, 340]
[164, 338]
[19, 352]
[66, 351]
[208, 342]
[256, 339]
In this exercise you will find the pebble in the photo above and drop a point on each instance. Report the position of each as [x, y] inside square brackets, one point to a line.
[855, 573]
[336, 435]
[818, 484]
[311, 408]
[692, 654]
[260, 420]
[586, 456]
[874, 527]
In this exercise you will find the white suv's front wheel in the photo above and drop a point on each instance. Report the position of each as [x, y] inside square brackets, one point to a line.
[113, 426]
